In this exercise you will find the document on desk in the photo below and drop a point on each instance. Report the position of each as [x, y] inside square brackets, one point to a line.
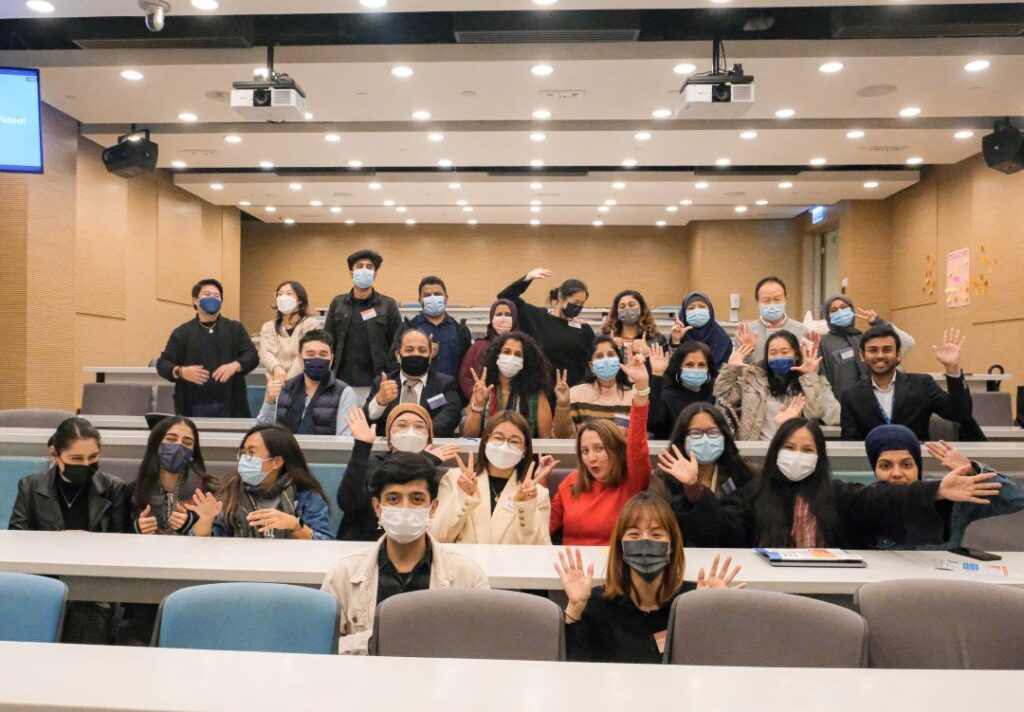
[971, 567]
[829, 558]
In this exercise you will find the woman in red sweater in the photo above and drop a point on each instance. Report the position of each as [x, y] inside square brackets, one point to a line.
[612, 469]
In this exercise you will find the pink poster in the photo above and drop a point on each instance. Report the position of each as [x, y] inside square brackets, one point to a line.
[958, 278]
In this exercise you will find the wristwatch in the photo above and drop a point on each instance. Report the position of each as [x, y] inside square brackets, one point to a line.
[176, 373]
[644, 392]
[476, 409]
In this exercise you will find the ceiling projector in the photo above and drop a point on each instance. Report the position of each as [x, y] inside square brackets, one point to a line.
[275, 98]
[718, 94]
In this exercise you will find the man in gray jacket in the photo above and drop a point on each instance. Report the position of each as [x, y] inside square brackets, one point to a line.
[770, 293]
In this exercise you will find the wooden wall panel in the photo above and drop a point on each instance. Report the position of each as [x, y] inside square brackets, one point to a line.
[914, 220]
[231, 258]
[999, 229]
[865, 253]
[13, 287]
[179, 242]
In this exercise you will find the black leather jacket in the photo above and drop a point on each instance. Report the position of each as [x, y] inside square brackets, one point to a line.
[37, 508]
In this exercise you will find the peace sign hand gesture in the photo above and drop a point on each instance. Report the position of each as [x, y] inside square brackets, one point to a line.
[528, 487]
[562, 386]
[811, 359]
[867, 315]
[481, 395]
[716, 579]
[683, 469]
[467, 475]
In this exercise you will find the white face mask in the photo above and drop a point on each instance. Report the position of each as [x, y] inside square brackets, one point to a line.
[796, 466]
[503, 456]
[510, 365]
[286, 303]
[405, 524]
[408, 440]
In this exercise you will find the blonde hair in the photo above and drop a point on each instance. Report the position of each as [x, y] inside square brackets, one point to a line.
[614, 444]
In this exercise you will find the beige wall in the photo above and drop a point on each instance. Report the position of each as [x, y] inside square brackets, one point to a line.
[79, 267]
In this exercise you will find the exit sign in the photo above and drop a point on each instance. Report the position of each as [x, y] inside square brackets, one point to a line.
[817, 214]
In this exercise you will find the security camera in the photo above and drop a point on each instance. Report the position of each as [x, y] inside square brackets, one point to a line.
[156, 12]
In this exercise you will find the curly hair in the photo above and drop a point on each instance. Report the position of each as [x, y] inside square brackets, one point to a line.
[536, 374]
[613, 325]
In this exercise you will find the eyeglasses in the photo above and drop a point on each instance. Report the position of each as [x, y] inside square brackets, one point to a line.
[699, 432]
[514, 442]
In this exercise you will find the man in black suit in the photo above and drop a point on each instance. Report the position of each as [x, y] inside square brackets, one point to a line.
[415, 383]
[887, 395]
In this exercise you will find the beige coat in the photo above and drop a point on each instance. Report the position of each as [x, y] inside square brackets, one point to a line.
[746, 388]
[467, 520]
[352, 580]
[278, 349]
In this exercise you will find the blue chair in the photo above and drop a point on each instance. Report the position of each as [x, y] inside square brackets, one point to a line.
[33, 608]
[263, 617]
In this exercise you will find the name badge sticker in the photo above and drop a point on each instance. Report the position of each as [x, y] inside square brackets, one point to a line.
[575, 324]
[846, 354]
[508, 505]
[437, 401]
[368, 314]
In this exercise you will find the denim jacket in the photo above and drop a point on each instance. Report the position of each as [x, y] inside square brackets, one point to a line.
[310, 507]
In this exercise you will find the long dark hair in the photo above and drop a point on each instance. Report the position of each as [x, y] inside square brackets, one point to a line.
[148, 478]
[279, 442]
[621, 379]
[568, 288]
[788, 384]
[731, 463]
[646, 327]
[300, 294]
[776, 495]
[507, 416]
[536, 374]
[675, 364]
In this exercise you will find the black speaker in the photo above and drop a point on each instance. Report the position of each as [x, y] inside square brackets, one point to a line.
[133, 155]
[1004, 148]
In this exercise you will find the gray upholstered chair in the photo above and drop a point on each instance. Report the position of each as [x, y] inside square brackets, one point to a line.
[33, 418]
[762, 629]
[992, 408]
[1002, 533]
[163, 401]
[918, 623]
[116, 399]
[469, 623]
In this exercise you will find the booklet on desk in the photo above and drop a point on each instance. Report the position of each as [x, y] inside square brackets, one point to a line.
[811, 557]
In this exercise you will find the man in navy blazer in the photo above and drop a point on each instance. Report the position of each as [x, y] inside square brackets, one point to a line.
[414, 382]
[887, 395]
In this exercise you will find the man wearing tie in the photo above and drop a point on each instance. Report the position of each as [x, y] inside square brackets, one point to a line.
[415, 383]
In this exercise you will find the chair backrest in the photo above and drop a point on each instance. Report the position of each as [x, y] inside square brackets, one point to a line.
[469, 623]
[942, 429]
[163, 401]
[917, 623]
[116, 399]
[992, 408]
[32, 609]
[33, 418]
[555, 478]
[266, 617]
[1002, 533]
[762, 629]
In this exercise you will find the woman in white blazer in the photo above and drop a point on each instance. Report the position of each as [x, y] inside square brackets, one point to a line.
[503, 499]
[279, 337]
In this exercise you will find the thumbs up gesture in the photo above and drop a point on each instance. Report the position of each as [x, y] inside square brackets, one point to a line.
[147, 522]
[388, 390]
[274, 386]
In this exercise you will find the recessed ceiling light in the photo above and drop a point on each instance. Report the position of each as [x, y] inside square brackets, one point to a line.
[455, 186]
[332, 137]
[289, 221]
[542, 70]
[611, 201]
[871, 184]
[544, 2]
[389, 203]
[350, 221]
[335, 210]
[244, 203]
[410, 221]
[963, 134]
[785, 114]
[741, 208]
[40, 6]
[603, 209]
[629, 162]
[537, 163]
[597, 223]
[355, 163]
[915, 161]
[535, 202]
[401, 209]
[461, 202]
[446, 163]
[179, 164]
[374, 186]
[205, 4]
[187, 117]
[270, 209]
[538, 136]
[719, 2]
[785, 185]
[216, 186]
[316, 203]
[261, 73]
[684, 68]
[977, 65]
[855, 134]
[435, 137]
[671, 208]
[373, 4]
[761, 202]
[830, 67]
[266, 165]
[536, 186]
[642, 136]
[471, 222]
[535, 209]
[661, 223]
[618, 185]
[909, 111]
[402, 71]
[686, 201]
[233, 138]
[133, 75]
[309, 115]
[723, 161]
[421, 115]
[535, 222]
[748, 135]
[818, 161]
[661, 113]
[702, 185]
[295, 186]
[541, 114]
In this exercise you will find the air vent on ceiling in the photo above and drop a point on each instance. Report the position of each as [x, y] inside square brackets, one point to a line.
[928, 21]
[522, 27]
[884, 149]
[547, 172]
[179, 33]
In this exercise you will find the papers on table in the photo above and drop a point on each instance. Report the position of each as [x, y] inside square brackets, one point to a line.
[811, 557]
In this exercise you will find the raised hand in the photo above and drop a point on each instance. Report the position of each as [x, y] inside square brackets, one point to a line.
[178, 518]
[738, 357]
[444, 453]
[811, 359]
[545, 466]
[639, 346]
[576, 581]
[266, 520]
[658, 359]
[538, 273]
[636, 370]
[719, 579]
[388, 390]
[679, 330]
[147, 522]
[357, 425]
[274, 386]
[194, 374]
[794, 409]
[683, 469]
[528, 486]
[950, 457]
[867, 315]
[961, 485]
[225, 372]
[745, 336]
[948, 353]
[481, 395]
[205, 505]
[562, 386]
[467, 475]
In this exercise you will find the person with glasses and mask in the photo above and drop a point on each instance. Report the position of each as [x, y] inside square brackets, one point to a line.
[405, 559]
[314, 402]
[450, 339]
[503, 498]
[626, 620]
[207, 359]
[272, 495]
[565, 340]
[279, 337]
[631, 323]
[503, 319]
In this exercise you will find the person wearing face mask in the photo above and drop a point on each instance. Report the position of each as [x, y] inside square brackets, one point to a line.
[696, 322]
[171, 472]
[414, 382]
[785, 384]
[405, 559]
[515, 376]
[279, 337]
[841, 361]
[626, 620]
[631, 323]
[565, 340]
[503, 499]
[408, 429]
[503, 319]
[451, 339]
[272, 495]
[74, 494]
[677, 383]
[363, 323]
[208, 358]
[770, 294]
[797, 503]
[314, 402]
[605, 393]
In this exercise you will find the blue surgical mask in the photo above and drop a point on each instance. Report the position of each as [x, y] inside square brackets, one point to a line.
[842, 317]
[606, 368]
[434, 305]
[706, 448]
[781, 366]
[698, 317]
[693, 377]
[210, 305]
[363, 277]
[250, 469]
[773, 312]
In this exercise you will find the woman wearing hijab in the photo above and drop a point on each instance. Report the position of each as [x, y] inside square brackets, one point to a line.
[696, 322]
[504, 318]
[840, 347]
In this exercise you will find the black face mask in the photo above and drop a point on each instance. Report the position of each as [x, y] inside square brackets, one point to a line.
[80, 474]
[317, 369]
[646, 556]
[415, 366]
[572, 310]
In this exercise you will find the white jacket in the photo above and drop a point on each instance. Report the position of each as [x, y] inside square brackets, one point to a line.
[352, 580]
[468, 520]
